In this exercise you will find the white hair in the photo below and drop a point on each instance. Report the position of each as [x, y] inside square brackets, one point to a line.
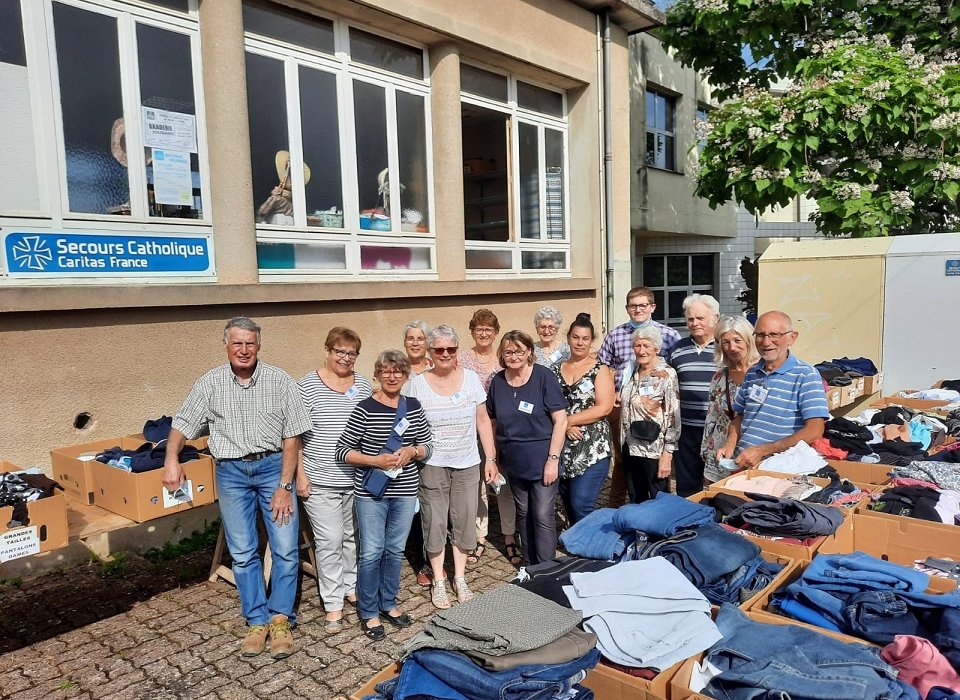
[243, 323]
[547, 313]
[442, 331]
[742, 327]
[649, 333]
[421, 325]
[706, 299]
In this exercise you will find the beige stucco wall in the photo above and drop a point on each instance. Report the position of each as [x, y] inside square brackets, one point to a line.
[663, 201]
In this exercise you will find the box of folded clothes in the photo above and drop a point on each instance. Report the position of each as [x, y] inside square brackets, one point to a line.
[862, 472]
[35, 517]
[901, 540]
[72, 467]
[127, 480]
[925, 501]
[834, 396]
[872, 384]
[391, 670]
[612, 684]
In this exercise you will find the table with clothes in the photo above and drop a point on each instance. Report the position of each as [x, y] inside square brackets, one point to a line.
[838, 492]
[17, 489]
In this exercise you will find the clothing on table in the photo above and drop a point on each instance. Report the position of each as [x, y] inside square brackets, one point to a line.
[797, 488]
[559, 354]
[943, 474]
[892, 415]
[909, 501]
[18, 489]
[774, 516]
[663, 516]
[931, 394]
[862, 365]
[616, 351]
[367, 430]
[776, 404]
[848, 435]
[328, 410]
[920, 664]
[664, 392]
[799, 459]
[578, 455]
[157, 429]
[488, 624]
[823, 447]
[243, 419]
[548, 578]
[468, 360]
[717, 423]
[744, 531]
[595, 537]
[573, 645]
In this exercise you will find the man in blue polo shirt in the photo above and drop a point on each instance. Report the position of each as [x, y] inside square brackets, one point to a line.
[781, 401]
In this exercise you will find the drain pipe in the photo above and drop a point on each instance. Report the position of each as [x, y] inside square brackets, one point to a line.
[607, 171]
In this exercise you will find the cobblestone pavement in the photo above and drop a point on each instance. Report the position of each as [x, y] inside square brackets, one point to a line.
[184, 643]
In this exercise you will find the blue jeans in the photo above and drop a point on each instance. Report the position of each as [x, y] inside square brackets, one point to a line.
[580, 493]
[242, 488]
[383, 528]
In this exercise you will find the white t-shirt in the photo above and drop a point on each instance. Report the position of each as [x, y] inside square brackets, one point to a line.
[452, 419]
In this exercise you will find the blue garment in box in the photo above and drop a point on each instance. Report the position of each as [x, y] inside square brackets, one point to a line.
[704, 554]
[463, 679]
[749, 578]
[594, 537]
[662, 516]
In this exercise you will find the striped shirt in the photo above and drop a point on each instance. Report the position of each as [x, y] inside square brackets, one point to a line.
[243, 419]
[794, 394]
[329, 411]
[616, 352]
[368, 430]
[695, 369]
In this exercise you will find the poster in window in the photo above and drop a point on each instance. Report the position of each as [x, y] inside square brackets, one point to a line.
[172, 181]
[173, 130]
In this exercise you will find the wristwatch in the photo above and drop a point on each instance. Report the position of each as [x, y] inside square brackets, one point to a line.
[555, 458]
[286, 485]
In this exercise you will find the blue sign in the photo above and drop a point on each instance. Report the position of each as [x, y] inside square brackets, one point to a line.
[42, 253]
[952, 268]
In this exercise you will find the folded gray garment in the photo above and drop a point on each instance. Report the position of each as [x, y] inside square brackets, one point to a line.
[503, 621]
[573, 645]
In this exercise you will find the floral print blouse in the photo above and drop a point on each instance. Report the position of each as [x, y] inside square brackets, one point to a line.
[719, 416]
[665, 392]
[595, 445]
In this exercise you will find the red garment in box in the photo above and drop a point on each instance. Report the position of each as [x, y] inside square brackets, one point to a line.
[823, 447]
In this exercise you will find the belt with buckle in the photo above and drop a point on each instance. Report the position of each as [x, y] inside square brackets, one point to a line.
[254, 456]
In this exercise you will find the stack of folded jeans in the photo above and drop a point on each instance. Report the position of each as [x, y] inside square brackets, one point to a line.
[644, 613]
[873, 599]
[595, 537]
[768, 515]
[755, 660]
[662, 516]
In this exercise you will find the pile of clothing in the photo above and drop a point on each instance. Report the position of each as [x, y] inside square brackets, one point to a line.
[839, 492]
[147, 457]
[787, 520]
[722, 565]
[506, 643]
[926, 490]
[17, 489]
[842, 371]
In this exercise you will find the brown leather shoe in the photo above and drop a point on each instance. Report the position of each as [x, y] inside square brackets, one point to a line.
[255, 640]
[281, 637]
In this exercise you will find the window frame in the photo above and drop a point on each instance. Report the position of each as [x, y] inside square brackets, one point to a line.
[516, 245]
[351, 237]
[672, 101]
[690, 288]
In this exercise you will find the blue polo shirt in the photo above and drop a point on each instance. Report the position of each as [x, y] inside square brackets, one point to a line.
[794, 395]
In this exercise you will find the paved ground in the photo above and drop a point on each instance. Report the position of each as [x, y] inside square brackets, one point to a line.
[183, 642]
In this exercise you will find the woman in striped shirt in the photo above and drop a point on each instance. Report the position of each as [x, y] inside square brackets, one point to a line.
[326, 484]
[386, 431]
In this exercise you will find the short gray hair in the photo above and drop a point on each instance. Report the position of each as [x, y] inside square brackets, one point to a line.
[243, 323]
[649, 333]
[742, 327]
[391, 357]
[442, 331]
[421, 325]
[547, 312]
[705, 299]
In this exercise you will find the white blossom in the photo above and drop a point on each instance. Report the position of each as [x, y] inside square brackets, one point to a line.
[901, 201]
[950, 120]
[946, 171]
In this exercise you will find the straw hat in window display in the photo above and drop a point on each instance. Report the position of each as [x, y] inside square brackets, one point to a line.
[278, 207]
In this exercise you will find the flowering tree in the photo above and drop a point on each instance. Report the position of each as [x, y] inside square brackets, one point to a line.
[868, 127]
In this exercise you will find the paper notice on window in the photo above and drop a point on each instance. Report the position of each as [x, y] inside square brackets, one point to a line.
[19, 543]
[174, 130]
[172, 181]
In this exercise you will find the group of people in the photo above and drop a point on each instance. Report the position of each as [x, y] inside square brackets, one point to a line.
[444, 425]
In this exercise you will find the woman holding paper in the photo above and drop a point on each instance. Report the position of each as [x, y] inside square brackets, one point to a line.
[385, 437]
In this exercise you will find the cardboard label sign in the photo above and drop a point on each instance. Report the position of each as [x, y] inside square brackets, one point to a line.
[18, 543]
[182, 495]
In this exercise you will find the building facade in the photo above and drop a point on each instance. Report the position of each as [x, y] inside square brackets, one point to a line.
[168, 164]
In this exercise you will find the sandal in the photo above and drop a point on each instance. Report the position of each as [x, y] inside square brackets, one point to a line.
[438, 595]
[333, 626]
[513, 554]
[475, 556]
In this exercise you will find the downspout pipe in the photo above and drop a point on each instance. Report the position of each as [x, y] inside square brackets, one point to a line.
[607, 168]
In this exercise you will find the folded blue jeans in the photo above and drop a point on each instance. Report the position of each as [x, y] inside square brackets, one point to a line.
[704, 554]
[879, 616]
[746, 580]
[595, 537]
[663, 516]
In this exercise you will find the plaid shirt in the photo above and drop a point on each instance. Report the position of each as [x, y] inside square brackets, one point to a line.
[243, 419]
[617, 350]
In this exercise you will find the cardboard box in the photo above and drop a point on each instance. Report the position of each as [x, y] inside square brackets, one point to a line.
[46, 527]
[871, 385]
[900, 540]
[848, 394]
[389, 671]
[72, 466]
[862, 472]
[921, 404]
[141, 496]
[946, 528]
[834, 396]
[610, 684]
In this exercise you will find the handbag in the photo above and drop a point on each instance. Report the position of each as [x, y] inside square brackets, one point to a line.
[375, 480]
[644, 430]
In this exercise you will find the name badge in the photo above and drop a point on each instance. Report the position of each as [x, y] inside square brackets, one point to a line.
[525, 407]
[458, 397]
[757, 393]
[402, 426]
[647, 390]
[351, 392]
[555, 355]
[586, 384]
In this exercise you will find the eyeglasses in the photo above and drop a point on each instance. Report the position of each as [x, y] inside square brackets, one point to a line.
[547, 329]
[771, 336]
[343, 354]
[392, 372]
[515, 353]
[446, 351]
[484, 331]
[639, 307]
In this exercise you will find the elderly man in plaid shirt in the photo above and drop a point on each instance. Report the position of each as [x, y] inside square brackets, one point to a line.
[255, 417]
[616, 352]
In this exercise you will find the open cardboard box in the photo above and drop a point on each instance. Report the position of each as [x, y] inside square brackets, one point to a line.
[900, 540]
[863, 509]
[610, 684]
[862, 472]
[46, 527]
[389, 671]
[72, 466]
[918, 404]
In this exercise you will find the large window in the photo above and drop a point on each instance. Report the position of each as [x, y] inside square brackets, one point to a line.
[514, 183]
[100, 112]
[673, 277]
[661, 143]
[339, 127]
